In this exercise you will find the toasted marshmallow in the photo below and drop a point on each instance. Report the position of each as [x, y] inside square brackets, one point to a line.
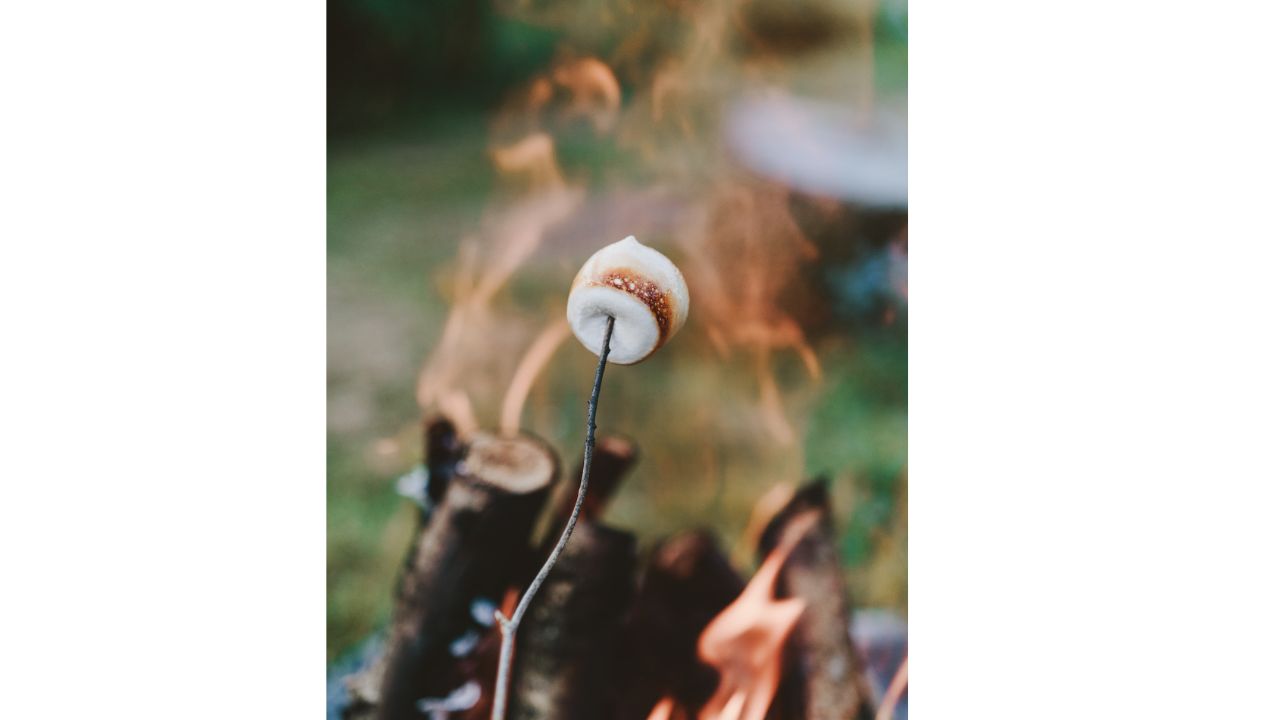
[640, 288]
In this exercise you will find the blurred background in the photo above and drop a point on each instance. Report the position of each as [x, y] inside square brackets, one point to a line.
[480, 151]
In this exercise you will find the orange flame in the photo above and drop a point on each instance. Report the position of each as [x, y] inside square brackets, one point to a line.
[750, 250]
[530, 367]
[465, 357]
[664, 710]
[745, 641]
[456, 405]
[466, 347]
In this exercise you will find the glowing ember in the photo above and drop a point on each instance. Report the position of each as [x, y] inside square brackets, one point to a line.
[745, 641]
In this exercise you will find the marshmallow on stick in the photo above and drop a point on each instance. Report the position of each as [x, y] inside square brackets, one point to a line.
[646, 296]
[640, 288]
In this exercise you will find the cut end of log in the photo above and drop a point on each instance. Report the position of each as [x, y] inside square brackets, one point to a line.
[517, 464]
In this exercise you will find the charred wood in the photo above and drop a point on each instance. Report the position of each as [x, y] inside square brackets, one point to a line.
[825, 679]
[442, 451]
[566, 664]
[464, 558]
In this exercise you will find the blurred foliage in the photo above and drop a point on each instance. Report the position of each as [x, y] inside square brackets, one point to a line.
[395, 62]
[392, 59]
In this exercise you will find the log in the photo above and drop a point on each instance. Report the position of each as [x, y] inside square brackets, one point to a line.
[567, 647]
[468, 551]
[614, 456]
[442, 451]
[686, 583]
[825, 678]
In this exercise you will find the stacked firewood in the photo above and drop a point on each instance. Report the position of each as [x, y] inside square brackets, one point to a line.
[604, 638]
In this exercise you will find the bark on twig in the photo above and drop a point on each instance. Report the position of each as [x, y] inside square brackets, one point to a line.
[825, 680]
[467, 551]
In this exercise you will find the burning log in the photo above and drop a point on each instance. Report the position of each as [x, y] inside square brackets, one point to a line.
[825, 680]
[614, 456]
[746, 641]
[688, 581]
[565, 668]
[464, 558]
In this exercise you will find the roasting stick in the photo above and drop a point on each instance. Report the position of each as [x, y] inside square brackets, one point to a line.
[638, 291]
[507, 626]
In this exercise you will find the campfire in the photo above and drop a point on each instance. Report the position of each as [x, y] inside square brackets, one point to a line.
[684, 636]
[627, 627]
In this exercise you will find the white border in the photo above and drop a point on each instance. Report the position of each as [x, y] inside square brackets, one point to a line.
[1093, 360]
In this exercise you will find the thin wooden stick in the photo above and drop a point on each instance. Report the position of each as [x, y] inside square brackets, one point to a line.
[507, 626]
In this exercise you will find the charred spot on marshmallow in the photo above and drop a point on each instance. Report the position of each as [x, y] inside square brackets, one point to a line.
[644, 290]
